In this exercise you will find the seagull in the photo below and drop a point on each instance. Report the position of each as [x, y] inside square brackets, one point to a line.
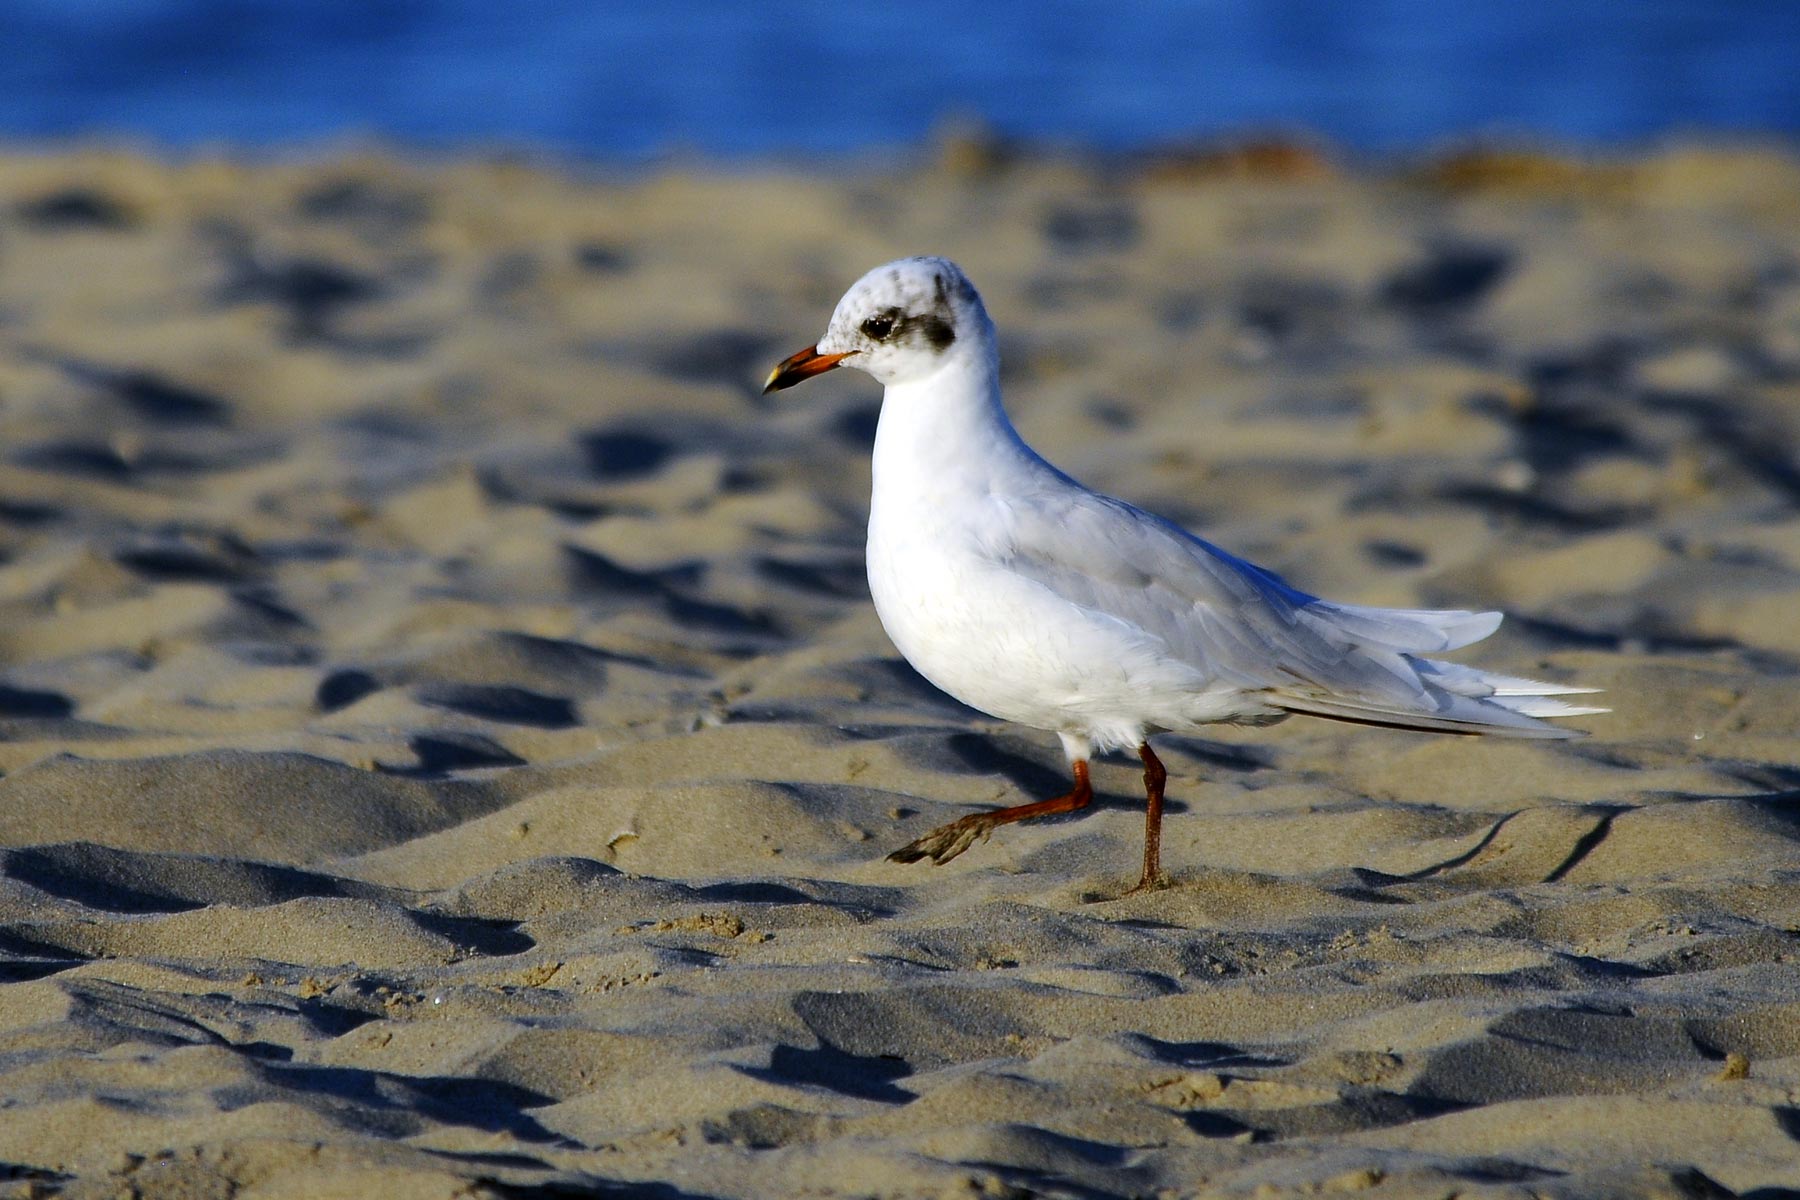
[1031, 598]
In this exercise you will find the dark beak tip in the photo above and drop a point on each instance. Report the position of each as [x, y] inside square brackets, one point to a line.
[800, 366]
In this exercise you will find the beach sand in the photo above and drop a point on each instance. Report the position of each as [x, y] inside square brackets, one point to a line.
[448, 749]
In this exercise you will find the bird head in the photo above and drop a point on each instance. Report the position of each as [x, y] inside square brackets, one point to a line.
[900, 322]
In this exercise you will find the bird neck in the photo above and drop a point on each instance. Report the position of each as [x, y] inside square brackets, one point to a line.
[946, 432]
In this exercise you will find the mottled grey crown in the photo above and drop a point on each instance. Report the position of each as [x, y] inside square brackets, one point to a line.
[902, 317]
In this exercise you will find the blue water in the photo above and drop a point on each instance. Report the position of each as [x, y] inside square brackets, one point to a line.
[624, 82]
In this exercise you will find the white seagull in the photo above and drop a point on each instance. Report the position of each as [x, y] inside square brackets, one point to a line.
[1027, 596]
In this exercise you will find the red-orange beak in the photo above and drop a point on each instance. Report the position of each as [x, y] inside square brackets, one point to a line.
[803, 365]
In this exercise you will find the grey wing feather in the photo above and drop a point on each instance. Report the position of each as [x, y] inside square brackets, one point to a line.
[1243, 625]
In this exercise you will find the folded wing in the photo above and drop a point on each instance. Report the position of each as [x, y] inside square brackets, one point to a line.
[1246, 627]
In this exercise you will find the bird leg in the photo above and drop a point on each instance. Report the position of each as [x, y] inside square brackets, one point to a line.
[947, 841]
[1154, 778]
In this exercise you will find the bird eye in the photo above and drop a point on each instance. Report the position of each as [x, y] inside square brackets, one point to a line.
[879, 327]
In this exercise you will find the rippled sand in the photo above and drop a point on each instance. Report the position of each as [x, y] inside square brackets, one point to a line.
[448, 749]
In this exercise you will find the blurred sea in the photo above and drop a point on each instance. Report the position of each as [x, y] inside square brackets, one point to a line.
[614, 81]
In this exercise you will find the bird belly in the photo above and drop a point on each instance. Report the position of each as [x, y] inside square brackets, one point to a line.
[1011, 648]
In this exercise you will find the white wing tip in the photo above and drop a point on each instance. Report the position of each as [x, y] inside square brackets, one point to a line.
[1533, 687]
[1537, 705]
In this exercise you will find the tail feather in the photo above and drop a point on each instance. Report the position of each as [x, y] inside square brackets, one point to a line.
[1464, 716]
[1471, 681]
[1453, 698]
[1546, 706]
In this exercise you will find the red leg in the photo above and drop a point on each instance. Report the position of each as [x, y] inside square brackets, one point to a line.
[947, 841]
[1154, 778]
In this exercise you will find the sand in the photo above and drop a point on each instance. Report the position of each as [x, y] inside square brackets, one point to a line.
[448, 749]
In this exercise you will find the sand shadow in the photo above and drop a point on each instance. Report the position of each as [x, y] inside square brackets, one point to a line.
[393, 1103]
[501, 703]
[864, 1077]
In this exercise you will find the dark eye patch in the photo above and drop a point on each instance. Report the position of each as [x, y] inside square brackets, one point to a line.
[896, 325]
[939, 332]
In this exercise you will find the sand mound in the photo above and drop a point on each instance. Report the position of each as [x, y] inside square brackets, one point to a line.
[280, 807]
